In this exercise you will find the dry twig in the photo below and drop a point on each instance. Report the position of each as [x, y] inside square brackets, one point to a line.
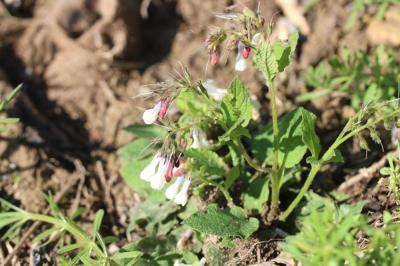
[363, 174]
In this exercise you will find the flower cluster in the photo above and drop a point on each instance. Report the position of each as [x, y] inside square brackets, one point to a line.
[163, 168]
[243, 35]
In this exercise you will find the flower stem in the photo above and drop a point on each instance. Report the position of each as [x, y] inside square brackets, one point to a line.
[311, 175]
[248, 159]
[275, 163]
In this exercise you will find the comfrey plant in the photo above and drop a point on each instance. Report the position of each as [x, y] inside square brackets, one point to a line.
[203, 106]
[208, 141]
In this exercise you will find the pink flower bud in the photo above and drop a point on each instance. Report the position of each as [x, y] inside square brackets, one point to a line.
[214, 58]
[180, 171]
[163, 109]
[246, 52]
[169, 173]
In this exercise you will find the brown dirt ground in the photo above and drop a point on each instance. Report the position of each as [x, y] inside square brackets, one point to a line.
[75, 103]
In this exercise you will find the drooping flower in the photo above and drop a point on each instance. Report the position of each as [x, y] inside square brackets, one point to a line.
[170, 170]
[172, 190]
[149, 171]
[199, 139]
[241, 63]
[164, 109]
[182, 196]
[212, 90]
[214, 58]
[246, 52]
[255, 41]
[158, 180]
[180, 171]
[150, 115]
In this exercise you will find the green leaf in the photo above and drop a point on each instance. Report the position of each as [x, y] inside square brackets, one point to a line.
[334, 156]
[310, 138]
[86, 260]
[231, 177]
[5, 221]
[9, 120]
[68, 248]
[188, 102]
[216, 255]
[190, 208]
[223, 222]
[370, 94]
[152, 214]
[256, 195]
[312, 95]
[158, 247]
[265, 61]
[53, 206]
[235, 132]
[97, 220]
[324, 227]
[127, 258]
[207, 161]
[44, 234]
[292, 147]
[237, 105]
[136, 150]
[146, 131]
[293, 39]
[10, 97]
[385, 171]
[282, 53]
[134, 158]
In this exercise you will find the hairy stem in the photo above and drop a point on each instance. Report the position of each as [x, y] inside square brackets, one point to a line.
[248, 158]
[314, 170]
[275, 163]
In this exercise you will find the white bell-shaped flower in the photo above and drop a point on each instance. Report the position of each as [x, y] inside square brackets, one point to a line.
[172, 190]
[199, 139]
[203, 261]
[241, 62]
[212, 90]
[150, 115]
[255, 41]
[182, 196]
[158, 180]
[149, 171]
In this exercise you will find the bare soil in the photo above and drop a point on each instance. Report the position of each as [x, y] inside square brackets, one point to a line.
[79, 80]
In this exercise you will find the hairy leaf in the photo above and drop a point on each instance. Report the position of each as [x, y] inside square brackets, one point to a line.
[146, 131]
[310, 138]
[223, 222]
[291, 145]
[152, 213]
[134, 158]
[334, 156]
[236, 105]
[207, 161]
[256, 194]
[266, 62]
